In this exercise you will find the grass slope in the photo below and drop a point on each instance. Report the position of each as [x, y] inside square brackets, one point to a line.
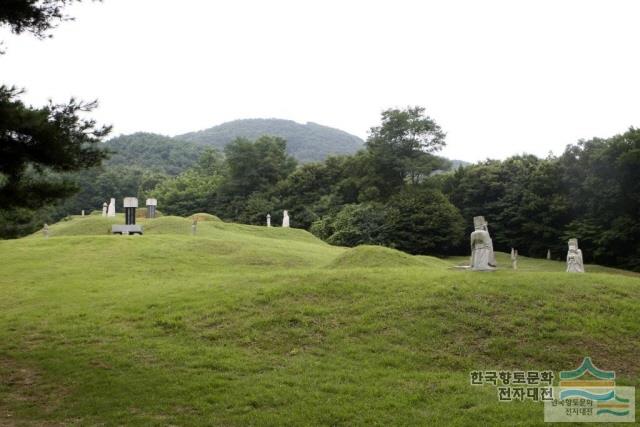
[242, 325]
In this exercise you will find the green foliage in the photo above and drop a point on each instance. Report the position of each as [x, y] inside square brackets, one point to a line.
[359, 224]
[423, 221]
[522, 198]
[37, 17]
[399, 149]
[156, 153]
[38, 144]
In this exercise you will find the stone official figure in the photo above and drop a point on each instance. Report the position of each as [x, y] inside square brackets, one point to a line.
[482, 256]
[574, 258]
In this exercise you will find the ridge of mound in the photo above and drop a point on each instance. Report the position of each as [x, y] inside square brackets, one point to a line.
[379, 256]
[203, 216]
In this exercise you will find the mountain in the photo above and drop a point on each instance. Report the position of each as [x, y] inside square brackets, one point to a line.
[306, 142]
[151, 151]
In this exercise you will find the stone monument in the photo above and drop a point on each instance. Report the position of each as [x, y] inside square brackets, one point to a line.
[104, 209]
[268, 220]
[45, 231]
[130, 204]
[111, 211]
[574, 258]
[482, 255]
[514, 259]
[548, 254]
[285, 219]
[151, 207]
[82, 212]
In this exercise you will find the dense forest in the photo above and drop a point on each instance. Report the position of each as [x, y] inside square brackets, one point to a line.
[396, 191]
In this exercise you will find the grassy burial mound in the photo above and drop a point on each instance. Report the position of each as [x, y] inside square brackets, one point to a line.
[244, 325]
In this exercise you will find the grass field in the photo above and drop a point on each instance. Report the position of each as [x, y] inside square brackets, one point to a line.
[242, 325]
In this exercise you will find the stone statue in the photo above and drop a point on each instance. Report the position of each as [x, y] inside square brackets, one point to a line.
[482, 256]
[549, 254]
[104, 209]
[45, 231]
[268, 220]
[574, 258]
[111, 211]
[285, 219]
[514, 259]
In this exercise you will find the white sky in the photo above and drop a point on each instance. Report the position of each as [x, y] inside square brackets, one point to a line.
[501, 77]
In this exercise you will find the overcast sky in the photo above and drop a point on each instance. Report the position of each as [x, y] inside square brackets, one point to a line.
[501, 77]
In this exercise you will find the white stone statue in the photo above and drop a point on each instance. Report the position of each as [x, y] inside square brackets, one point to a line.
[45, 231]
[482, 256]
[514, 259]
[285, 219]
[574, 258]
[104, 209]
[268, 220]
[111, 211]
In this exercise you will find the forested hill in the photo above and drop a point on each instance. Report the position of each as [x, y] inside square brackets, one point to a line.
[306, 142]
[153, 152]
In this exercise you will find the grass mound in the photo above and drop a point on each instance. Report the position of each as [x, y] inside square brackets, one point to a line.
[82, 226]
[381, 257]
[202, 216]
[244, 325]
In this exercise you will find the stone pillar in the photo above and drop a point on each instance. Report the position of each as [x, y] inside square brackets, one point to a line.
[548, 254]
[151, 207]
[130, 205]
[285, 219]
[268, 220]
[104, 209]
[112, 208]
[514, 259]
[82, 212]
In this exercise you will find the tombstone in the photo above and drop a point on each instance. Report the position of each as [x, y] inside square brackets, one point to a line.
[130, 204]
[104, 209]
[574, 258]
[514, 259]
[45, 231]
[194, 225]
[285, 219]
[82, 212]
[549, 254]
[268, 220]
[151, 207]
[482, 256]
[111, 211]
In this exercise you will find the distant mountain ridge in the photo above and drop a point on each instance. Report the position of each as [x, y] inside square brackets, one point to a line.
[306, 142]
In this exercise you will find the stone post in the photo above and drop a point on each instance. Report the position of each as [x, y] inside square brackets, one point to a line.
[45, 231]
[130, 205]
[268, 220]
[548, 254]
[111, 211]
[151, 207]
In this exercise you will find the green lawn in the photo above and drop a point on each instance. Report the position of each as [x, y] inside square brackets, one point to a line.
[242, 325]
